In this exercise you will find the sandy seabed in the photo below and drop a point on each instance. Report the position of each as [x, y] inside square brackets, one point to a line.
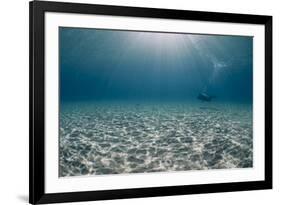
[97, 138]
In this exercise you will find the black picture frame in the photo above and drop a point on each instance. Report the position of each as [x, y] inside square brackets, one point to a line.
[37, 10]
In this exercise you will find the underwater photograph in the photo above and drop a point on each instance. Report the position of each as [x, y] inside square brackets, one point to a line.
[141, 102]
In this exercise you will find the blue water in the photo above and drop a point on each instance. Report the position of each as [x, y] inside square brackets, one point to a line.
[124, 65]
[129, 101]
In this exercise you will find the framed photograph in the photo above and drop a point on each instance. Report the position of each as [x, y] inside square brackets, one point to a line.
[140, 102]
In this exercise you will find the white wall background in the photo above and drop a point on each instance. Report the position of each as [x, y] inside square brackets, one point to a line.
[14, 100]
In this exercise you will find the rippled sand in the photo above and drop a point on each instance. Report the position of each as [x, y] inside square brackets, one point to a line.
[100, 139]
